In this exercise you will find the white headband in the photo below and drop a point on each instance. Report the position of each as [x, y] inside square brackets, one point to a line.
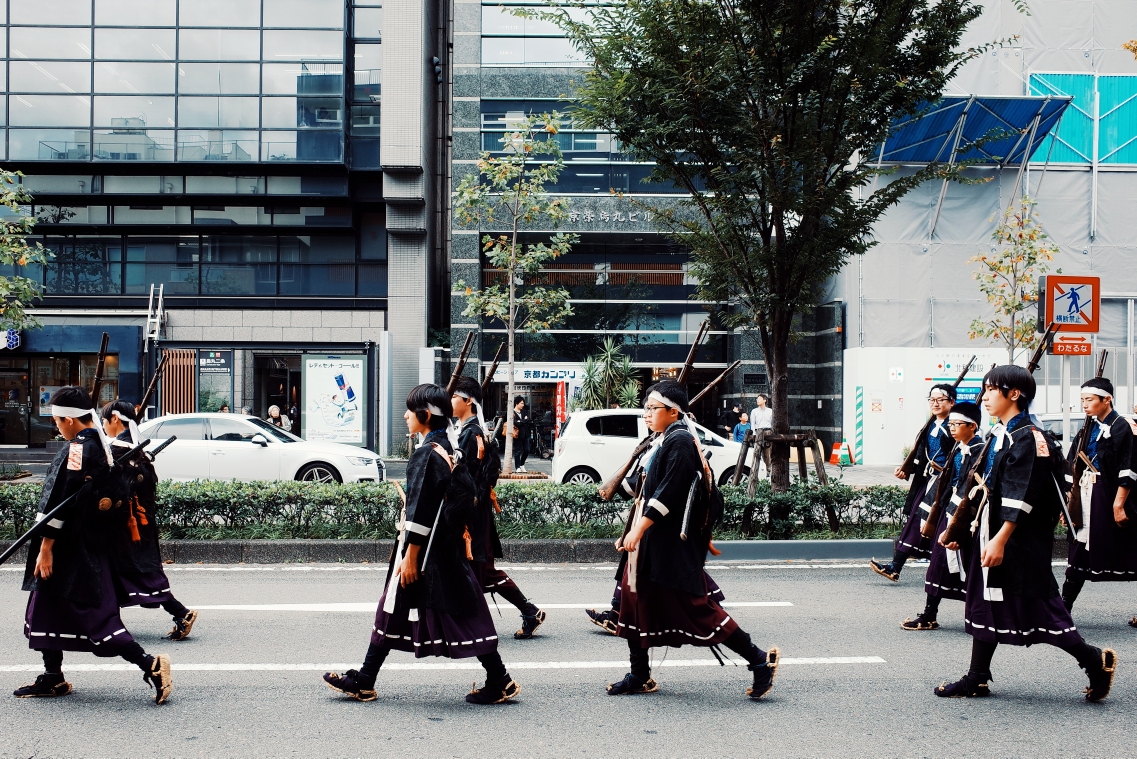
[434, 410]
[655, 396]
[955, 416]
[1085, 391]
[70, 412]
[131, 425]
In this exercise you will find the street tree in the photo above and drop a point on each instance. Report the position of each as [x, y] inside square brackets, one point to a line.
[768, 113]
[17, 292]
[508, 191]
[1008, 278]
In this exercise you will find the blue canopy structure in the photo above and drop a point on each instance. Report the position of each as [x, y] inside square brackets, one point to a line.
[947, 130]
[993, 131]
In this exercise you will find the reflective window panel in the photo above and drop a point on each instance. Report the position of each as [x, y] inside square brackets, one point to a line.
[227, 13]
[120, 76]
[216, 145]
[136, 12]
[304, 14]
[134, 111]
[225, 185]
[218, 45]
[135, 44]
[50, 76]
[51, 12]
[50, 110]
[218, 78]
[29, 42]
[303, 45]
[302, 146]
[368, 23]
[214, 112]
[133, 143]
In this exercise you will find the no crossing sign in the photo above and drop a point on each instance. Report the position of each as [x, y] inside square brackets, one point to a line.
[1073, 303]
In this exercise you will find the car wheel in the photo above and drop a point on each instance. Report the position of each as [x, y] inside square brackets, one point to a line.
[318, 472]
[581, 475]
[728, 475]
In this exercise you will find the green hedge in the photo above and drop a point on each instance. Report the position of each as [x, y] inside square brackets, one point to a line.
[288, 509]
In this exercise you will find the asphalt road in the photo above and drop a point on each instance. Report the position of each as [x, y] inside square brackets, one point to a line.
[853, 684]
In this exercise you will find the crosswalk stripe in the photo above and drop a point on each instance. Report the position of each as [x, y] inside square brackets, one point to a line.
[423, 666]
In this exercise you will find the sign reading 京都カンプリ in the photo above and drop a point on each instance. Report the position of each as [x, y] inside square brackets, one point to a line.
[334, 406]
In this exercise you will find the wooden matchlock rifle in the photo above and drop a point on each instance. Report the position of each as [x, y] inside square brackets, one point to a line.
[943, 487]
[499, 420]
[909, 465]
[959, 526]
[608, 489]
[460, 364]
[97, 383]
[140, 409]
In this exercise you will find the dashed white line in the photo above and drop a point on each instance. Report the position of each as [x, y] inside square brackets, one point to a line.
[460, 664]
[369, 606]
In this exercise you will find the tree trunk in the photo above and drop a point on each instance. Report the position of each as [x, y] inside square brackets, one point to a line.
[775, 344]
[510, 332]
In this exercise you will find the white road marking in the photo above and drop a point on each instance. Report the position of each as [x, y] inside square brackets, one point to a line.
[369, 606]
[421, 666]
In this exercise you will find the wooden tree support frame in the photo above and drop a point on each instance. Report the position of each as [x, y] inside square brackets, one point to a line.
[759, 444]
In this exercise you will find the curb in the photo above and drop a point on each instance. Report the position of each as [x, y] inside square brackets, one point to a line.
[598, 551]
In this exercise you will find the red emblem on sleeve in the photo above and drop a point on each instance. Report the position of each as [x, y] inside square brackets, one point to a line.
[1041, 447]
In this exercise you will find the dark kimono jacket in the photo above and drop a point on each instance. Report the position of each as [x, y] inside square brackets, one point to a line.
[80, 532]
[445, 582]
[947, 568]
[76, 609]
[1017, 602]
[1103, 551]
[138, 479]
[674, 475]
[484, 541]
[933, 447]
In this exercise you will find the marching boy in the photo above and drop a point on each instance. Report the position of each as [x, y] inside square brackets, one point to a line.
[665, 597]
[1012, 596]
[73, 605]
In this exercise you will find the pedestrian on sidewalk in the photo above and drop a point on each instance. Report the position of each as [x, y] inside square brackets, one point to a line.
[665, 593]
[73, 605]
[740, 429]
[1105, 549]
[432, 605]
[931, 456]
[479, 453]
[136, 555]
[946, 574]
[1012, 596]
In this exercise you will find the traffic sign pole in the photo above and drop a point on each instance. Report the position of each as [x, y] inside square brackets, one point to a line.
[1064, 395]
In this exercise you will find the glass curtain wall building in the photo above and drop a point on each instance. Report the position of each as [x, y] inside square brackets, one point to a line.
[628, 282]
[228, 152]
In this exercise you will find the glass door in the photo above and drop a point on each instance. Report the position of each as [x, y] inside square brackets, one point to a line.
[15, 406]
[48, 375]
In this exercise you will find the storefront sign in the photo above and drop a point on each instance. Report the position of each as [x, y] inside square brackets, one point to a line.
[562, 404]
[215, 362]
[334, 403]
[12, 340]
[570, 373]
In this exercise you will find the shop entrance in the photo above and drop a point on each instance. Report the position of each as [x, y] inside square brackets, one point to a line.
[26, 386]
[277, 383]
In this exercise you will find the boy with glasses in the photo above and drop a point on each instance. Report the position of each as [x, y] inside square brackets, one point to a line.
[931, 457]
[665, 592]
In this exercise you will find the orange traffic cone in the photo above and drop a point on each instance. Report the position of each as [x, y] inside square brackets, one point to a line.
[835, 456]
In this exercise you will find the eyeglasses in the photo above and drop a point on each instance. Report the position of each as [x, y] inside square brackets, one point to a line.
[939, 399]
[650, 409]
[958, 424]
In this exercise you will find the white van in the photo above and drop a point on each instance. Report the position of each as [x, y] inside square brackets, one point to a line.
[592, 445]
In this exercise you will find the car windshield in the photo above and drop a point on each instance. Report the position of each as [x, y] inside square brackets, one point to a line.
[275, 432]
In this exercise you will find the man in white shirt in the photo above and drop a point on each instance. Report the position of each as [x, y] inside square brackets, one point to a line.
[762, 418]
